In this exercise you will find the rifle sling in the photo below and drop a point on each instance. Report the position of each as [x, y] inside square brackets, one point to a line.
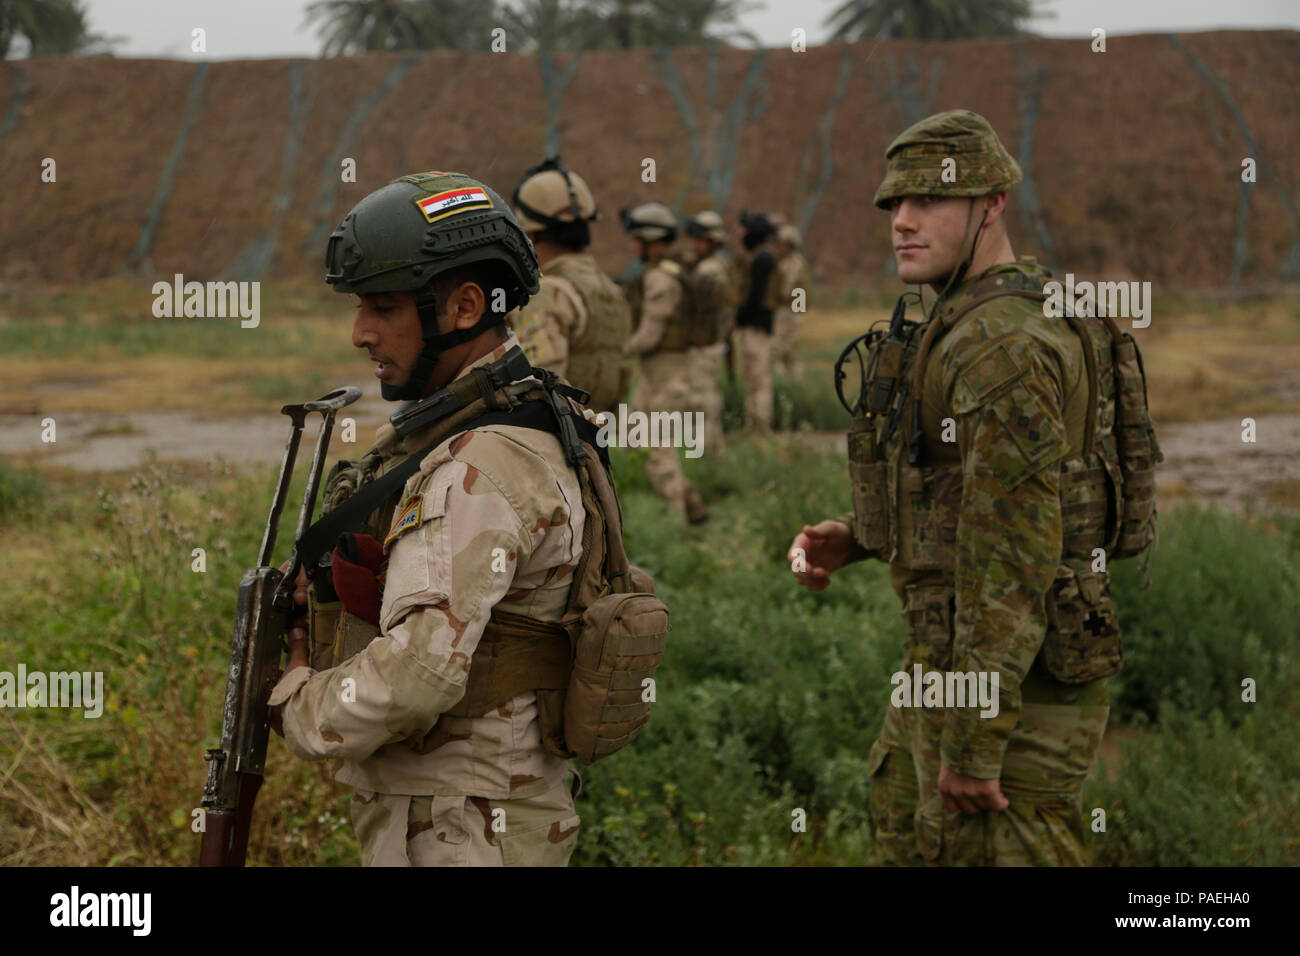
[322, 536]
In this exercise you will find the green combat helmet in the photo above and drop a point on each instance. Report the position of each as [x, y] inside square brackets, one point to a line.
[417, 227]
[916, 159]
[649, 221]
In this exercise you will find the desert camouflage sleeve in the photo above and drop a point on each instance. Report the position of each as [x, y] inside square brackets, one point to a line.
[660, 300]
[444, 577]
[1007, 396]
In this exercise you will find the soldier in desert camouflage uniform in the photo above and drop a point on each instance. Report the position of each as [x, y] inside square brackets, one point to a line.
[715, 306]
[791, 274]
[992, 534]
[577, 323]
[491, 522]
[662, 340]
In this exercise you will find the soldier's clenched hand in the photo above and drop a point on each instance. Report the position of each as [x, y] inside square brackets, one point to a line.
[298, 628]
[969, 794]
[817, 551]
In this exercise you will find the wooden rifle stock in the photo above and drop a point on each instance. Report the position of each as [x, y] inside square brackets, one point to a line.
[263, 616]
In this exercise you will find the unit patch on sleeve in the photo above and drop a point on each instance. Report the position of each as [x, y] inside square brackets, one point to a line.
[407, 518]
[989, 373]
[451, 201]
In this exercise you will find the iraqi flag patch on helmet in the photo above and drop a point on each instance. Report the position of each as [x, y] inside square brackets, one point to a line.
[448, 203]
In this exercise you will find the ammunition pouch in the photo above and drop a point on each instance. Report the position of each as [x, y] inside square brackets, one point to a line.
[1139, 452]
[929, 610]
[867, 478]
[335, 634]
[929, 503]
[1082, 643]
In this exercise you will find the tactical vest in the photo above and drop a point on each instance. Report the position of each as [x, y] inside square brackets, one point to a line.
[906, 512]
[588, 670]
[677, 333]
[596, 361]
[715, 301]
[792, 273]
[741, 271]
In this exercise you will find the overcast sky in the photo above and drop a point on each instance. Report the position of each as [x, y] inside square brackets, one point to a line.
[252, 28]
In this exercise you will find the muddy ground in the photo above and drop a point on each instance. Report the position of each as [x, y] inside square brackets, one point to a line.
[1204, 461]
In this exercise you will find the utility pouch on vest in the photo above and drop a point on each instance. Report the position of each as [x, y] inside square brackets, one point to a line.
[1082, 643]
[620, 637]
[324, 621]
[929, 610]
[1139, 452]
[929, 504]
[336, 634]
[885, 369]
[618, 651]
[867, 475]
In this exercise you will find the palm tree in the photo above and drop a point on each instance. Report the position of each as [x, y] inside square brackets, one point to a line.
[355, 25]
[458, 24]
[551, 25]
[690, 22]
[927, 19]
[48, 26]
[352, 25]
[633, 23]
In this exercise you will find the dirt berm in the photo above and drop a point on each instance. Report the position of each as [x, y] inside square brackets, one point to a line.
[1133, 157]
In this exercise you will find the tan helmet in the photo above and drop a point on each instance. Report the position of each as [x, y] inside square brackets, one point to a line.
[707, 225]
[649, 221]
[789, 234]
[549, 194]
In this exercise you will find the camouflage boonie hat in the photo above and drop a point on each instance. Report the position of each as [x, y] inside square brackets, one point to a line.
[916, 167]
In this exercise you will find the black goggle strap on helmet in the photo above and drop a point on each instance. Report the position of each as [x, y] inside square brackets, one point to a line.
[550, 163]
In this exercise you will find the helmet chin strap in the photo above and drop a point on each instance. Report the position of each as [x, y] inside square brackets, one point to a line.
[435, 343]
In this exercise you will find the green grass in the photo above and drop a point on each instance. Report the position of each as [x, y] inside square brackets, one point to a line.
[21, 491]
[768, 700]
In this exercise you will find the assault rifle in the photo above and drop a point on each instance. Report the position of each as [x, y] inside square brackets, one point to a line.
[263, 616]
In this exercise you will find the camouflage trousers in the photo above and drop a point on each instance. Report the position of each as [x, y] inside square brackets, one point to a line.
[706, 393]
[665, 386]
[1047, 760]
[785, 342]
[402, 830]
[755, 347]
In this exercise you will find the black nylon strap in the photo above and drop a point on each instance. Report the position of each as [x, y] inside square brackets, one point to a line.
[322, 536]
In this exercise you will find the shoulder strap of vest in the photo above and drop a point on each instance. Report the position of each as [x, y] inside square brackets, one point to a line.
[534, 413]
[937, 328]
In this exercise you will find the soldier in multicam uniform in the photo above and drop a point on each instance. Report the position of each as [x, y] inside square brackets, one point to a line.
[992, 535]
[791, 274]
[715, 303]
[491, 522]
[577, 323]
[756, 272]
[662, 340]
